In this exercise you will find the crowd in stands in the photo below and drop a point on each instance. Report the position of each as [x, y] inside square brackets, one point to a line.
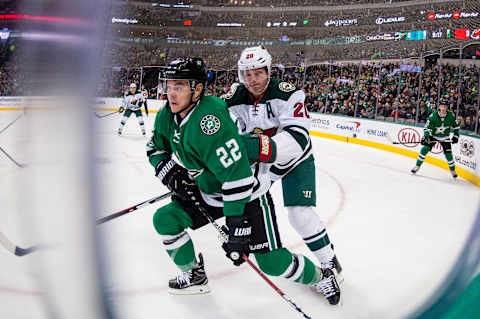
[380, 91]
[290, 3]
[384, 91]
[11, 79]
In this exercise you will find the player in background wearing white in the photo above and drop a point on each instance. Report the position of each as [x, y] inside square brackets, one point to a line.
[145, 98]
[132, 102]
[275, 122]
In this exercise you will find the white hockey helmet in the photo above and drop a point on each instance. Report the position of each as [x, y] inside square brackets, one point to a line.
[133, 85]
[254, 58]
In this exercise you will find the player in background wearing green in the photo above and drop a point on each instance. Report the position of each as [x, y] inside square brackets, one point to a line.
[275, 124]
[199, 131]
[132, 103]
[437, 129]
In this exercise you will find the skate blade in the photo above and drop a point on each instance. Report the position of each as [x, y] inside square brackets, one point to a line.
[195, 290]
[339, 278]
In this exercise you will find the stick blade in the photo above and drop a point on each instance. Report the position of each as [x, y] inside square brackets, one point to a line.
[24, 251]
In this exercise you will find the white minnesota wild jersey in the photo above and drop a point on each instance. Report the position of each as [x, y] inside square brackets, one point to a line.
[281, 114]
[132, 101]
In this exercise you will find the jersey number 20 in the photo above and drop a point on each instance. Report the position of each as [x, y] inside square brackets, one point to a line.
[233, 154]
[300, 110]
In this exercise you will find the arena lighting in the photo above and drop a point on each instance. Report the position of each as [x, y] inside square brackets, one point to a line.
[39, 18]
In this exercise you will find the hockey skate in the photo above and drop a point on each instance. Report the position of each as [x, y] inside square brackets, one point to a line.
[191, 282]
[119, 132]
[328, 286]
[336, 268]
[415, 169]
[454, 174]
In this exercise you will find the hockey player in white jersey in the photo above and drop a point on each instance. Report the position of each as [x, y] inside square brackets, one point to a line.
[275, 122]
[145, 97]
[132, 103]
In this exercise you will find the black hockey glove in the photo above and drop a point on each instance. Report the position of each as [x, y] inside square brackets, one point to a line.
[177, 179]
[426, 140]
[121, 109]
[239, 230]
[454, 139]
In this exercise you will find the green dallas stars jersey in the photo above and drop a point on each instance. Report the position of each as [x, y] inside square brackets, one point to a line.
[440, 128]
[281, 114]
[206, 142]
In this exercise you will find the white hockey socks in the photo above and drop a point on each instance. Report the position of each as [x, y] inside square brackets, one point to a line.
[308, 224]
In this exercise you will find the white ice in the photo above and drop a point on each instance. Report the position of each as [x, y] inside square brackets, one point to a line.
[395, 234]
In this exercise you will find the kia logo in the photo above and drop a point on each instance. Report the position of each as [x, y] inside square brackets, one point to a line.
[437, 148]
[431, 16]
[456, 14]
[409, 137]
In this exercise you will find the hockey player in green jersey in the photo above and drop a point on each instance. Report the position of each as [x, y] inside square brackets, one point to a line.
[132, 103]
[275, 124]
[203, 137]
[437, 129]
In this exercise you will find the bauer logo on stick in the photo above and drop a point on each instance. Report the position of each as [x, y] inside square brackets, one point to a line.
[210, 124]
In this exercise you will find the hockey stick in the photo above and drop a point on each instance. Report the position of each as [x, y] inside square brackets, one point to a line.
[411, 142]
[224, 238]
[11, 158]
[10, 124]
[105, 115]
[398, 142]
[133, 208]
[19, 251]
[14, 249]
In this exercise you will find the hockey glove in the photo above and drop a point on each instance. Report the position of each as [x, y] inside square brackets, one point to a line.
[239, 230]
[427, 140]
[259, 147]
[121, 109]
[454, 139]
[177, 179]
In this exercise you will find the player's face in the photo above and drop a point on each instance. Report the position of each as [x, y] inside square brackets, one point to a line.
[178, 94]
[442, 109]
[256, 80]
[132, 90]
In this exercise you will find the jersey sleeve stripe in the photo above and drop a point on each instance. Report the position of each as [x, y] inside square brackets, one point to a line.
[236, 190]
[237, 196]
[154, 152]
[300, 135]
[239, 182]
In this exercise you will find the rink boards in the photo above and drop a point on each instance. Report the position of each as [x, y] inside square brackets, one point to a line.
[382, 135]
[371, 133]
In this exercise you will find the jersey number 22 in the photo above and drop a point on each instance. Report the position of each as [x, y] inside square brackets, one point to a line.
[233, 154]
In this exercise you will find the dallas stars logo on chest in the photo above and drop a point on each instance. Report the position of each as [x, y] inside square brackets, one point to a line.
[441, 129]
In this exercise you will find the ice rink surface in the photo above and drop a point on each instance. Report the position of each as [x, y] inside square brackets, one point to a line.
[395, 234]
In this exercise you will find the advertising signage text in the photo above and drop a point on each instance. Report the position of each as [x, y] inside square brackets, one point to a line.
[381, 20]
